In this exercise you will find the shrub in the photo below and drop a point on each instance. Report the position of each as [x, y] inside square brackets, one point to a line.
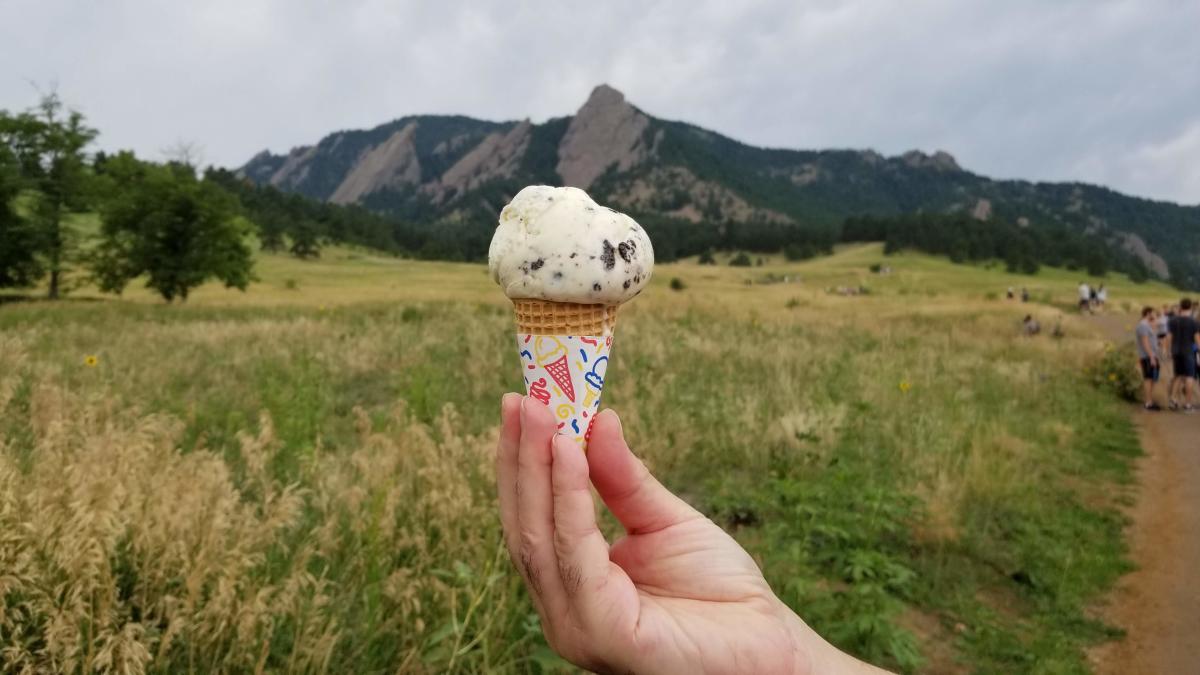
[740, 260]
[797, 252]
[875, 267]
[707, 258]
[677, 284]
[1115, 369]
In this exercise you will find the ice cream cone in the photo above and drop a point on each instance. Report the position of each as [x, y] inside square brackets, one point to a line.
[564, 351]
[567, 263]
[543, 317]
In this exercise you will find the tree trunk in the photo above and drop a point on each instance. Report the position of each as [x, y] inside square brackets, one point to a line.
[54, 283]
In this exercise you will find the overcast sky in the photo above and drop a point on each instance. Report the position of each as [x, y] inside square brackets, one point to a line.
[1105, 92]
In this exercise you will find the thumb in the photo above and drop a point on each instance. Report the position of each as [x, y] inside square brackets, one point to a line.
[639, 501]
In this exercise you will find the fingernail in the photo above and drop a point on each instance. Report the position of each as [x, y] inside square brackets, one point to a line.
[560, 443]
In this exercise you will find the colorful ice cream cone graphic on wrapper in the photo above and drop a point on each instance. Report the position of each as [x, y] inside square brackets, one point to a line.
[567, 264]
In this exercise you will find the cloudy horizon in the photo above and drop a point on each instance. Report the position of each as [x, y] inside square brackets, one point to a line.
[1099, 92]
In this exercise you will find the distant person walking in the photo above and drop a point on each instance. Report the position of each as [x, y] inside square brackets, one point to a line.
[1085, 297]
[1148, 356]
[1024, 295]
[1160, 327]
[1101, 296]
[1032, 327]
[1183, 335]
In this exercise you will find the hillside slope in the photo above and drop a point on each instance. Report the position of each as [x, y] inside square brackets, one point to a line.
[693, 187]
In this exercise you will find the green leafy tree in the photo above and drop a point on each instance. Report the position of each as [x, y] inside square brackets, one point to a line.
[19, 265]
[740, 260]
[306, 243]
[177, 230]
[49, 146]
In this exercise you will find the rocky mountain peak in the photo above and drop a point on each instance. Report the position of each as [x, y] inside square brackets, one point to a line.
[606, 131]
[940, 160]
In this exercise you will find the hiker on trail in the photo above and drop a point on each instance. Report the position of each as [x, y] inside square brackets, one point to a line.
[1010, 293]
[1024, 295]
[1101, 296]
[1183, 334]
[1160, 327]
[1148, 355]
[1085, 296]
[1032, 327]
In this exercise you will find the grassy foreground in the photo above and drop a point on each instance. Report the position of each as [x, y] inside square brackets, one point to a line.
[298, 478]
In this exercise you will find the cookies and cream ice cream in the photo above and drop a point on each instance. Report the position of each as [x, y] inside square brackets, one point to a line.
[558, 245]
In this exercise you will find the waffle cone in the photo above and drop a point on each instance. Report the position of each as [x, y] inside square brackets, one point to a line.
[543, 317]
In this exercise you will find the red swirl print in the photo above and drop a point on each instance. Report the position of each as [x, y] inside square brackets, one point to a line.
[537, 389]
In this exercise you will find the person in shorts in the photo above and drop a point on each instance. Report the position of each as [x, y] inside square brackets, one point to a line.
[1147, 349]
[1085, 297]
[1160, 326]
[1183, 334]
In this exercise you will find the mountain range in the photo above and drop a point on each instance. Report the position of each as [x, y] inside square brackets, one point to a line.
[687, 184]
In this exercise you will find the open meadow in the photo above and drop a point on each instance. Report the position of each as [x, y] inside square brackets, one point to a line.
[298, 478]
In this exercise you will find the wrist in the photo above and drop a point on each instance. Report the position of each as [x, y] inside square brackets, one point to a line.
[813, 655]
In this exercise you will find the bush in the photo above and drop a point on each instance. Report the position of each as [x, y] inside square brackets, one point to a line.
[805, 251]
[707, 258]
[740, 260]
[677, 284]
[875, 267]
[1115, 369]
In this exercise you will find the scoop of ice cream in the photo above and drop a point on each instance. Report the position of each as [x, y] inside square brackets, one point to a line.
[557, 244]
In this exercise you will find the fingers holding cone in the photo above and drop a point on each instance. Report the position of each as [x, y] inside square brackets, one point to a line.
[634, 496]
[536, 556]
[549, 519]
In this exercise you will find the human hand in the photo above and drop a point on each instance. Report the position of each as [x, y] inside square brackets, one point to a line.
[676, 594]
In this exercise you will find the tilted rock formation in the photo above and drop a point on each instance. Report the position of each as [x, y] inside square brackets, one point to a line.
[392, 164]
[605, 131]
[497, 156]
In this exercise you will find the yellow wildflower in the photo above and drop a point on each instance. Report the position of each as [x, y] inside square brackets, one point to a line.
[905, 386]
[91, 361]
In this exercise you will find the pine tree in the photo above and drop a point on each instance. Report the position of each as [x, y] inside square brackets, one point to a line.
[48, 143]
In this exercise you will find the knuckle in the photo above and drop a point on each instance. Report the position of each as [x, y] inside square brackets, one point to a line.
[530, 541]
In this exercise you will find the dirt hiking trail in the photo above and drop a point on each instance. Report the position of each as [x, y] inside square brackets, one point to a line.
[1158, 604]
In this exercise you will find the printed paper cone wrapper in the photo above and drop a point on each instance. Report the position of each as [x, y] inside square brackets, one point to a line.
[566, 372]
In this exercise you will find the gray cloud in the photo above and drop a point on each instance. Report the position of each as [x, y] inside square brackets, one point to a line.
[1105, 92]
